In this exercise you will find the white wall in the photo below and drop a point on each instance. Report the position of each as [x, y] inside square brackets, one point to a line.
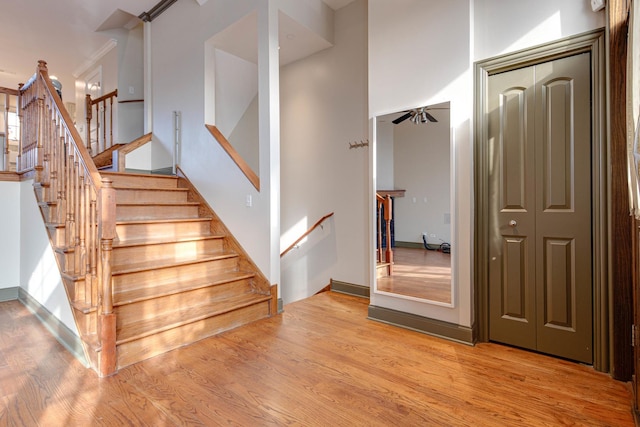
[39, 274]
[421, 52]
[130, 115]
[323, 109]
[384, 158]
[10, 230]
[507, 26]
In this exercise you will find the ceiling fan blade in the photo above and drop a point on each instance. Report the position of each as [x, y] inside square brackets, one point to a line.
[402, 118]
[431, 118]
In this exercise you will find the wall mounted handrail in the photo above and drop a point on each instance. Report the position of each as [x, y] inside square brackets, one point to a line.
[235, 156]
[306, 233]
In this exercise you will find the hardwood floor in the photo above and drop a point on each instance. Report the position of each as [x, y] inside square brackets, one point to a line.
[320, 363]
[419, 273]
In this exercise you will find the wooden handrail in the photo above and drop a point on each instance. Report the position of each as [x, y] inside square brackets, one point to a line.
[67, 178]
[119, 156]
[235, 156]
[102, 142]
[306, 233]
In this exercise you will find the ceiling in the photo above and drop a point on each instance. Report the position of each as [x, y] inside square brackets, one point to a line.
[64, 33]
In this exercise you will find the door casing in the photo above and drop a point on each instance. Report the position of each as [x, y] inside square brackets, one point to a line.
[593, 43]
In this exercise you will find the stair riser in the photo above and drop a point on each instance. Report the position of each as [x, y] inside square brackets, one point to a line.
[144, 348]
[150, 196]
[57, 235]
[142, 181]
[76, 290]
[168, 230]
[174, 274]
[164, 307]
[140, 212]
[51, 213]
[86, 322]
[173, 251]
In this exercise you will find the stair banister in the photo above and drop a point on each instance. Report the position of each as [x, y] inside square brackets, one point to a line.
[67, 178]
[101, 120]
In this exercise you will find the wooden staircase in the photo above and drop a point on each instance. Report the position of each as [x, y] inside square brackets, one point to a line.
[147, 265]
[177, 275]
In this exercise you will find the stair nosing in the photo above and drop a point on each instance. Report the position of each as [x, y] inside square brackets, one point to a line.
[204, 284]
[163, 221]
[119, 187]
[169, 263]
[227, 309]
[149, 242]
[157, 204]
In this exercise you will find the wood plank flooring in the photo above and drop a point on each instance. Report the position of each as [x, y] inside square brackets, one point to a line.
[320, 363]
[419, 273]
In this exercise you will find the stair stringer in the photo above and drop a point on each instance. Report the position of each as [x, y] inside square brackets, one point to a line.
[261, 283]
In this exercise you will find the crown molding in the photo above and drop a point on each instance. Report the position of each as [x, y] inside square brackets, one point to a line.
[106, 48]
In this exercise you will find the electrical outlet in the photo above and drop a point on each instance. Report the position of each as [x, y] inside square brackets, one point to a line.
[249, 201]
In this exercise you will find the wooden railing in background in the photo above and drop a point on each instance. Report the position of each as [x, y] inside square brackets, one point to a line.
[235, 156]
[8, 94]
[306, 233]
[384, 206]
[68, 180]
[102, 104]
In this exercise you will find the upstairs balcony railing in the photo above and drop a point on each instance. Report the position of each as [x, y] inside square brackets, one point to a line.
[99, 117]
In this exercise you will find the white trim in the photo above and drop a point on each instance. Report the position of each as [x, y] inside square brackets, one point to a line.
[106, 48]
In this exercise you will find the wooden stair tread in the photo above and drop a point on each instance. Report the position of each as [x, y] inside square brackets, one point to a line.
[159, 241]
[135, 295]
[152, 203]
[163, 221]
[83, 307]
[127, 188]
[167, 263]
[186, 315]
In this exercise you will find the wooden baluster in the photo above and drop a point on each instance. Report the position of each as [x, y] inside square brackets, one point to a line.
[88, 114]
[387, 219]
[107, 209]
[5, 160]
[19, 167]
[111, 121]
[104, 128]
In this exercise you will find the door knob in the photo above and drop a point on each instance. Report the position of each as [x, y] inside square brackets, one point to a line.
[513, 223]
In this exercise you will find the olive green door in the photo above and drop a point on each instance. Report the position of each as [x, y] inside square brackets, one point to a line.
[540, 255]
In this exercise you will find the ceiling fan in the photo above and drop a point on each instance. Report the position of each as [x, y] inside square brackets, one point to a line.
[416, 115]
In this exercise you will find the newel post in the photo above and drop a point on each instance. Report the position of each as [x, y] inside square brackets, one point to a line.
[107, 209]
